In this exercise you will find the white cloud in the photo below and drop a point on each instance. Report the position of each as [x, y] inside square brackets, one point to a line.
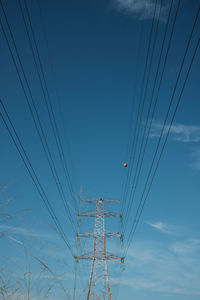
[165, 228]
[196, 157]
[164, 268]
[25, 232]
[188, 247]
[144, 9]
[183, 134]
[178, 132]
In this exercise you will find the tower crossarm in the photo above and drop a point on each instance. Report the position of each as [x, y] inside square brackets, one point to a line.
[108, 234]
[93, 214]
[109, 256]
[94, 200]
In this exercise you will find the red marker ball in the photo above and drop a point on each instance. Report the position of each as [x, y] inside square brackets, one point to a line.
[125, 165]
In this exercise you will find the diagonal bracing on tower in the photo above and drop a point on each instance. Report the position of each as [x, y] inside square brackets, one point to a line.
[98, 287]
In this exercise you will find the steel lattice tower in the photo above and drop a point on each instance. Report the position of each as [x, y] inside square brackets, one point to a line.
[98, 287]
[99, 284]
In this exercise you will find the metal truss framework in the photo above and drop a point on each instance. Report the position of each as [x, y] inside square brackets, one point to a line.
[98, 287]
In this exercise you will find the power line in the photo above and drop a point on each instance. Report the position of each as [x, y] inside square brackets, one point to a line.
[133, 106]
[23, 154]
[47, 97]
[135, 136]
[37, 121]
[129, 206]
[138, 214]
[142, 152]
[52, 71]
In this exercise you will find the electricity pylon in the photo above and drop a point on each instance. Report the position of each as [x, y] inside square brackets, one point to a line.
[98, 287]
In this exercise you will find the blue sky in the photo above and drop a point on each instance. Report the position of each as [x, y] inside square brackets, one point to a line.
[89, 52]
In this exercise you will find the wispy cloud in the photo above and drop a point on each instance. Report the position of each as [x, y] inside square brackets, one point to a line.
[166, 268]
[163, 227]
[196, 158]
[143, 9]
[25, 232]
[179, 132]
[188, 247]
[188, 134]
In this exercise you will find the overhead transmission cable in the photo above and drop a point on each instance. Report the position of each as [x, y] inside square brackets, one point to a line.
[46, 94]
[50, 110]
[47, 99]
[56, 90]
[183, 61]
[129, 205]
[24, 156]
[133, 103]
[142, 149]
[36, 120]
[142, 202]
[79, 248]
[132, 155]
